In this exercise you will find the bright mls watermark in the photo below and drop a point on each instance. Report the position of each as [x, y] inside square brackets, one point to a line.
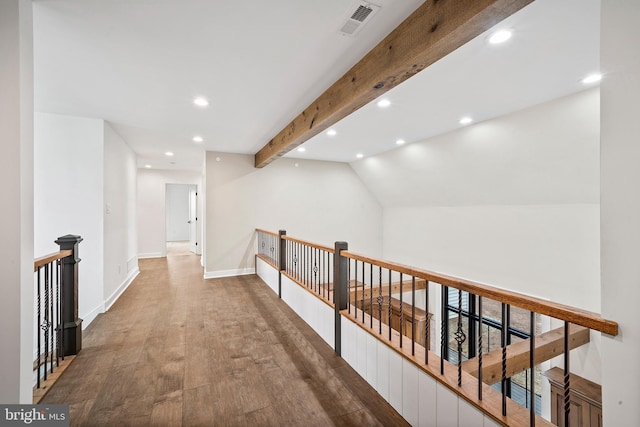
[34, 415]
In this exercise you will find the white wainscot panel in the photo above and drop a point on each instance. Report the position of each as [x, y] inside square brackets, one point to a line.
[372, 361]
[489, 422]
[267, 273]
[447, 401]
[348, 339]
[395, 381]
[410, 392]
[383, 370]
[361, 351]
[469, 415]
[427, 408]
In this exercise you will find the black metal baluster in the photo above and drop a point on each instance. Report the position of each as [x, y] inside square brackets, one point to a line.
[503, 343]
[39, 300]
[479, 348]
[62, 308]
[50, 324]
[371, 296]
[363, 284]
[310, 267]
[413, 315]
[315, 271]
[389, 305]
[46, 320]
[348, 285]
[532, 364]
[296, 266]
[460, 337]
[321, 253]
[57, 319]
[443, 327]
[355, 301]
[427, 344]
[567, 374]
[325, 270]
[380, 299]
[401, 312]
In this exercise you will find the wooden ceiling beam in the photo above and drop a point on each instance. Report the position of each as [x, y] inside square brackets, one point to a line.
[435, 29]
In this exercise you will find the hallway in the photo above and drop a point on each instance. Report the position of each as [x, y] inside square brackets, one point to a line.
[176, 350]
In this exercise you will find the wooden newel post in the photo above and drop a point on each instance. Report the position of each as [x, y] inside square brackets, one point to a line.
[340, 294]
[72, 335]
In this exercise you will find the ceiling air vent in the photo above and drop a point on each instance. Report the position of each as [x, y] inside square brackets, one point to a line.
[358, 16]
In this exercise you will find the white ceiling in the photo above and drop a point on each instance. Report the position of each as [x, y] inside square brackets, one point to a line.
[139, 63]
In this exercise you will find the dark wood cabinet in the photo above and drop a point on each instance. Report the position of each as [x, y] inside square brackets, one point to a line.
[585, 400]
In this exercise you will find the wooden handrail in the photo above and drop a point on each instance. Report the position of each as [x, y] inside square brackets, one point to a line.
[44, 260]
[260, 230]
[313, 245]
[573, 315]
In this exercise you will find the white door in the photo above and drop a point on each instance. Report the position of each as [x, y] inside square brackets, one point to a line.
[193, 220]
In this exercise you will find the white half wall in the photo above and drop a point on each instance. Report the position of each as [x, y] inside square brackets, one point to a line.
[620, 210]
[16, 173]
[418, 397]
[69, 197]
[312, 200]
[120, 231]
[317, 314]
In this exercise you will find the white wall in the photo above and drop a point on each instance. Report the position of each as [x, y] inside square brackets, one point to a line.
[151, 208]
[317, 201]
[16, 174]
[68, 190]
[621, 210]
[120, 231]
[85, 184]
[177, 212]
[512, 202]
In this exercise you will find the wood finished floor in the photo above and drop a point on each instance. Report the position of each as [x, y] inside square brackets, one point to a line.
[176, 350]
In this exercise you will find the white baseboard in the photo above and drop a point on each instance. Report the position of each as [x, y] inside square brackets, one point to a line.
[151, 255]
[91, 316]
[228, 273]
[123, 287]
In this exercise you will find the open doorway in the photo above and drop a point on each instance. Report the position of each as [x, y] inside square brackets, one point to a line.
[181, 219]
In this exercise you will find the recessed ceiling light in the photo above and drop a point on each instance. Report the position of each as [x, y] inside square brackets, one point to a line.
[383, 103]
[466, 120]
[592, 78]
[500, 36]
[302, 149]
[359, 155]
[168, 153]
[198, 138]
[400, 141]
[331, 132]
[147, 166]
[201, 101]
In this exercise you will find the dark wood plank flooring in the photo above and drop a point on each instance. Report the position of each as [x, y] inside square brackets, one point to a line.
[176, 350]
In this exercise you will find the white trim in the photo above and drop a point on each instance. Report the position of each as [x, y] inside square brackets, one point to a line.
[151, 255]
[132, 264]
[91, 316]
[123, 287]
[229, 273]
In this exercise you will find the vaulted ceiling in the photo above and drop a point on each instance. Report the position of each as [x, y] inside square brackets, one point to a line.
[140, 63]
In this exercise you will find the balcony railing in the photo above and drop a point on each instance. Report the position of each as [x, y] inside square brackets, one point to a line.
[482, 342]
[58, 330]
